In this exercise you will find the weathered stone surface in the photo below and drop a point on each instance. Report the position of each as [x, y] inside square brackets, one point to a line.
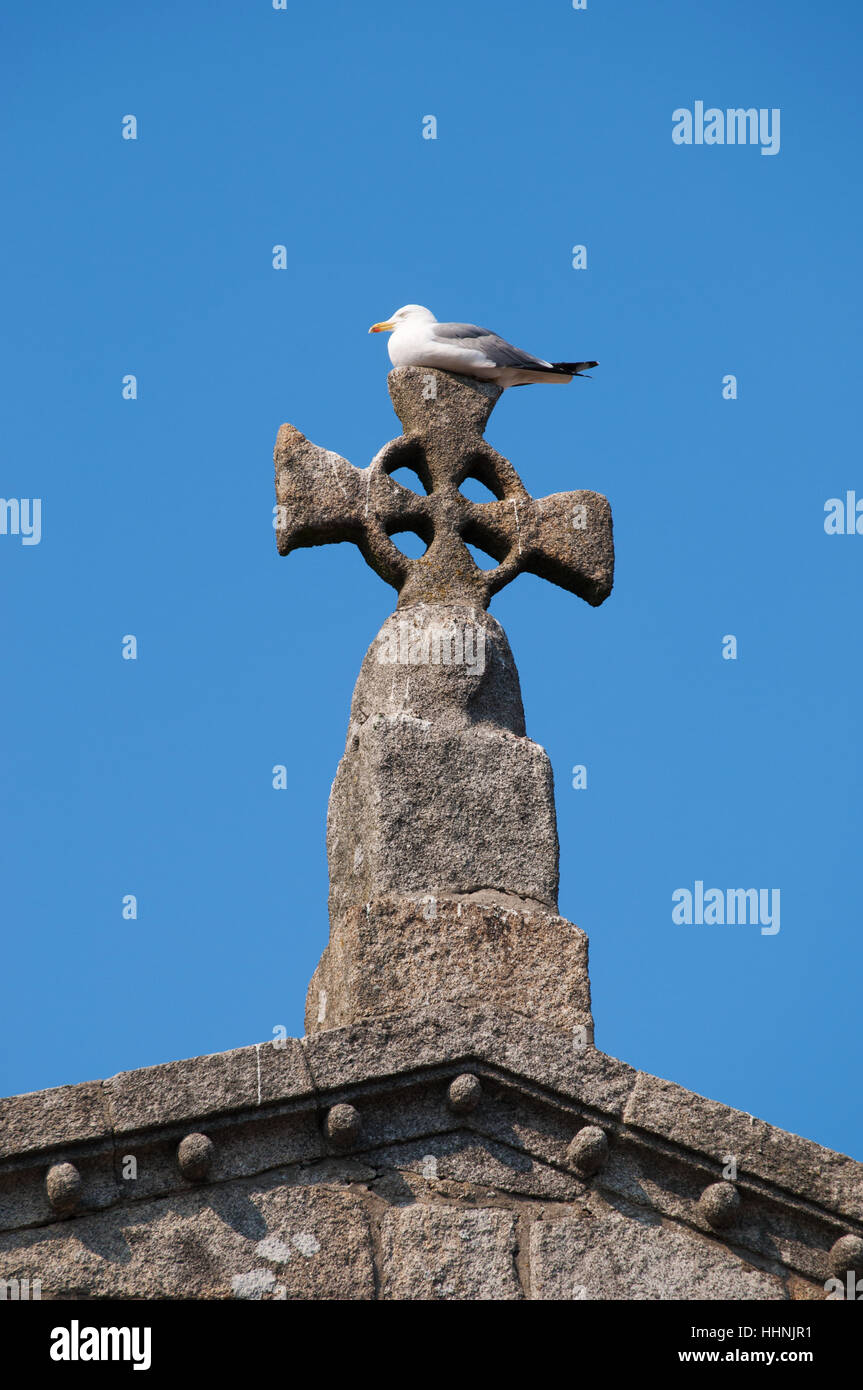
[282, 1073]
[630, 1254]
[445, 663]
[527, 1122]
[671, 1183]
[209, 1085]
[397, 954]
[566, 538]
[242, 1146]
[485, 819]
[451, 1033]
[439, 791]
[823, 1176]
[474, 1166]
[24, 1199]
[449, 1253]
[266, 1240]
[511, 1154]
[46, 1119]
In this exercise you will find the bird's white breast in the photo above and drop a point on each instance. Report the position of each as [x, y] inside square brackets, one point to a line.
[414, 345]
[408, 345]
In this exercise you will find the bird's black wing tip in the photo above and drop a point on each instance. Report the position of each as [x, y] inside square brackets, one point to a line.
[574, 368]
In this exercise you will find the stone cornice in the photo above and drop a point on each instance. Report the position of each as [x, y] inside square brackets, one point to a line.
[266, 1107]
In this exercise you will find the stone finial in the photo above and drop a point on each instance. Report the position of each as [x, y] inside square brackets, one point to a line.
[441, 833]
[565, 538]
[439, 790]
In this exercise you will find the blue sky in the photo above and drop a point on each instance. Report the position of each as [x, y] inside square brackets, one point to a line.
[153, 257]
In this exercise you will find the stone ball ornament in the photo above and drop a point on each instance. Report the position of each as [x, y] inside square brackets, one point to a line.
[64, 1185]
[719, 1204]
[343, 1126]
[195, 1156]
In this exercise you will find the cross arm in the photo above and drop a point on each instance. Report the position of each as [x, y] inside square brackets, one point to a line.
[322, 498]
[565, 538]
[319, 495]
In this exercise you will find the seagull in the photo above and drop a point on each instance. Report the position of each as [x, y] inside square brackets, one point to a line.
[420, 341]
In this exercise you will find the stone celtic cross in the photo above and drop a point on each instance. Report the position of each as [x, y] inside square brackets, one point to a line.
[565, 538]
[441, 831]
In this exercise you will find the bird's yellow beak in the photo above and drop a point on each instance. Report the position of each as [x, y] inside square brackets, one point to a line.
[381, 327]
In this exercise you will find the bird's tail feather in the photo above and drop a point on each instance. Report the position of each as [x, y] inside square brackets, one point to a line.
[573, 368]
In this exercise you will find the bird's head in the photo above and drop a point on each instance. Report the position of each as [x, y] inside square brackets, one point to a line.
[409, 312]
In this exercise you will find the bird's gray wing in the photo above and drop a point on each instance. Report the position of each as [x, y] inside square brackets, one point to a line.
[496, 349]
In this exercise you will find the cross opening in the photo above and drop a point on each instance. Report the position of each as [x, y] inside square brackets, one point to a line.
[421, 535]
[481, 558]
[479, 468]
[410, 459]
[475, 490]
